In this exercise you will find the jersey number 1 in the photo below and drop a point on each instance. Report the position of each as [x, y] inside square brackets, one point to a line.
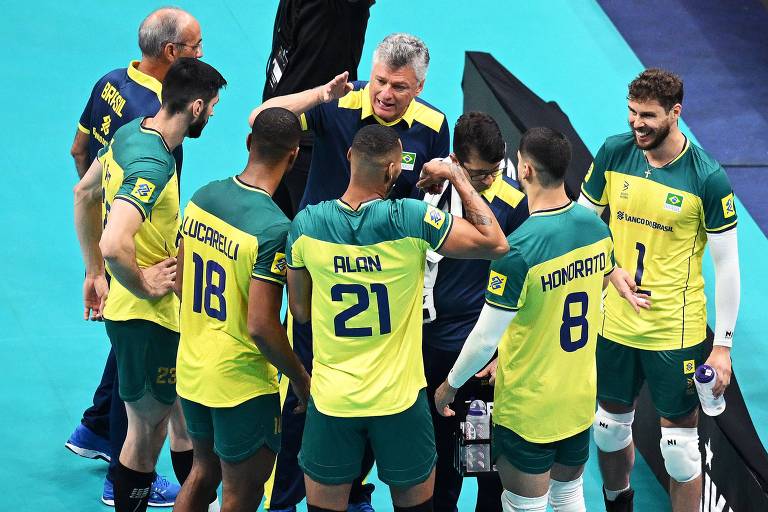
[202, 296]
[363, 302]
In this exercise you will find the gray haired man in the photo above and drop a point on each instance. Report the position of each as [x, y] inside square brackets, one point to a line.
[117, 98]
[335, 112]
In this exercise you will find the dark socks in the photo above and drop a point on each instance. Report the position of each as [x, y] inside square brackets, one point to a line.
[132, 489]
[313, 508]
[424, 507]
[182, 464]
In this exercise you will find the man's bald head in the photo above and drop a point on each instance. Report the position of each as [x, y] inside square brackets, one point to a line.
[169, 25]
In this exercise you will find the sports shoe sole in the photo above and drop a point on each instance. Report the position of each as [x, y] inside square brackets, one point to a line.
[88, 454]
[111, 503]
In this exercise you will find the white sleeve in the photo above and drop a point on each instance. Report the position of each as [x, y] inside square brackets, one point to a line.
[589, 204]
[481, 344]
[725, 255]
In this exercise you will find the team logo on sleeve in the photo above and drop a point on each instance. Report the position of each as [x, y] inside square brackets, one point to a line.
[408, 161]
[674, 202]
[729, 208]
[434, 217]
[689, 366]
[279, 265]
[143, 190]
[496, 283]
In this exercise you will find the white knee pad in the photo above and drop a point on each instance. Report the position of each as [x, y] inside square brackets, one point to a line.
[680, 449]
[511, 502]
[613, 432]
[567, 496]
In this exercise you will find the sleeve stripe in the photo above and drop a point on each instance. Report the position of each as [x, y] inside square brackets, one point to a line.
[303, 122]
[266, 279]
[500, 306]
[83, 129]
[723, 228]
[445, 235]
[134, 203]
[610, 271]
[590, 199]
[295, 267]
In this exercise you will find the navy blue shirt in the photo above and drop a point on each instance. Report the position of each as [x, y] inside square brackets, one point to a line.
[459, 291]
[118, 98]
[423, 131]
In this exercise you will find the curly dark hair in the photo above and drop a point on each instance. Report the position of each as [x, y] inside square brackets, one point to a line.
[657, 84]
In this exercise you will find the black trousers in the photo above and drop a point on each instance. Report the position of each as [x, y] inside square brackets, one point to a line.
[437, 364]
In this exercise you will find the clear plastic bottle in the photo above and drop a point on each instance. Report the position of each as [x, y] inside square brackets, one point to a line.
[478, 426]
[705, 379]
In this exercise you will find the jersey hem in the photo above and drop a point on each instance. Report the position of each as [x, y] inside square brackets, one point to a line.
[230, 403]
[368, 412]
[83, 129]
[500, 306]
[295, 267]
[722, 229]
[135, 204]
[645, 346]
[590, 199]
[550, 439]
[270, 280]
[120, 318]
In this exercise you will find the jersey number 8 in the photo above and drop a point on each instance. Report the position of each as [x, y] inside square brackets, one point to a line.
[570, 321]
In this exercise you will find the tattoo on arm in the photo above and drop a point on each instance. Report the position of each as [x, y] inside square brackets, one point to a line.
[472, 215]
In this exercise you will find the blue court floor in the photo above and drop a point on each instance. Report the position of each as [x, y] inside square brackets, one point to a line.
[566, 51]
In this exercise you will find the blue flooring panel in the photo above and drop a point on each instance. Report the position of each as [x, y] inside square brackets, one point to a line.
[53, 52]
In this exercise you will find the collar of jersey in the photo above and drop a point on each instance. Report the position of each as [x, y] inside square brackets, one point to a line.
[684, 151]
[553, 211]
[345, 206]
[367, 110]
[248, 187]
[152, 131]
[491, 191]
[144, 80]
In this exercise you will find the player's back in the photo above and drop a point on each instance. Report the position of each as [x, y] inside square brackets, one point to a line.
[232, 233]
[367, 269]
[553, 277]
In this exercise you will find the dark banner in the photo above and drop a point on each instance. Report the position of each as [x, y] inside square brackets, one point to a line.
[734, 461]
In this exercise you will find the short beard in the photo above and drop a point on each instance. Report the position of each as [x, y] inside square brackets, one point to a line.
[661, 135]
[196, 128]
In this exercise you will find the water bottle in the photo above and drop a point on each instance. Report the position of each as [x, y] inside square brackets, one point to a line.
[705, 378]
[478, 426]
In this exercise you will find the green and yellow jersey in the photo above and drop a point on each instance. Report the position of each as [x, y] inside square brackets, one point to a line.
[546, 380]
[660, 218]
[367, 268]
[138, 167]
[232, 233]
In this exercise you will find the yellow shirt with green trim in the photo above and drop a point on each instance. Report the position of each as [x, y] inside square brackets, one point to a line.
[659, 219]
[232, 233]
[137, 167]
[546, 380]
[367, 268]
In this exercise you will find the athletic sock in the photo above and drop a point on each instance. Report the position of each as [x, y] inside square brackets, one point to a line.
[132, 489]
[182, 464]
[612, 495]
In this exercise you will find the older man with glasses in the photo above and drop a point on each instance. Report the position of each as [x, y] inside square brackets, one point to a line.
[454, 294]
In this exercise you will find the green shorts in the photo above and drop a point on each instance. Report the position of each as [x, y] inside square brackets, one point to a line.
[537, 458]
[621, 371]
[403, 445]
[237, 432]
[146, 359]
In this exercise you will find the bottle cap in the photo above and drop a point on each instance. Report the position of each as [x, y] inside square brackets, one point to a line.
[705, 374]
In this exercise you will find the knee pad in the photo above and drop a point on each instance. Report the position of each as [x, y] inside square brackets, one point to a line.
[511, 502]
[680, 449]
[567, 496]
[612, 432]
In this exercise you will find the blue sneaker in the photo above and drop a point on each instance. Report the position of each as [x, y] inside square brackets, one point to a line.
[292, 508]
[162, 494]
[86, 443]
[363, 506]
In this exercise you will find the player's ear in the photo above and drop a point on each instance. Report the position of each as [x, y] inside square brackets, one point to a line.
[169, 52]
[248, 142]
[676, 111]
[349, 154]
[293, 156]
[197, 107]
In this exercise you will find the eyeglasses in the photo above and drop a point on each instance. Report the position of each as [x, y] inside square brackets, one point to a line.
[195, 47]
[482, 174]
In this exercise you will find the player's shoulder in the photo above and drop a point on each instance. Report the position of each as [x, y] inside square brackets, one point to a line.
[353, 100]
[704, 164]
[620, 144]
[509, 192]
[428, 115]
[116, 77]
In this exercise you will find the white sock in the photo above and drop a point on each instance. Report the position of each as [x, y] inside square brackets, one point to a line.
[612, 495]
[567, 496]
[511, 502]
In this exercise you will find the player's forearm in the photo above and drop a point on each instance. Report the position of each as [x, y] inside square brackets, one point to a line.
[88, 227]
[480, 346]
[298, 103]
[274, 345]
[724, 250]
[120, 256]
[479, 215]
[81, 163]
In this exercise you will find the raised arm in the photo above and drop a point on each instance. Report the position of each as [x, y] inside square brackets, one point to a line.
[300, 102]
[476, 236]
